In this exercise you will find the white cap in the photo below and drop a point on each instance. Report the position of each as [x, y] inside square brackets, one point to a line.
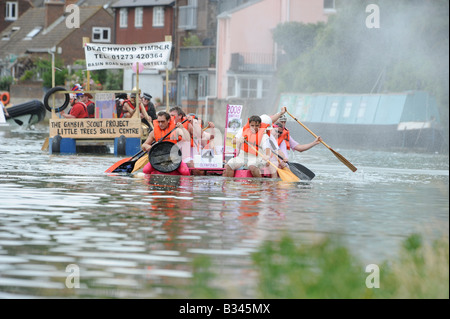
[266, 119]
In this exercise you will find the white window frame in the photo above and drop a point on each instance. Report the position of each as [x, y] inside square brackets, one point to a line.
[202, 85]
[158, 16]
[331, 8]
[138, 17]
[246, 91]
[100, 30]
[362, 109]
[184, 85]
[333, 109]
[261, 89]
[347, 109]
[11, 10]
[33, 33]
[265, 90]
[123, 18]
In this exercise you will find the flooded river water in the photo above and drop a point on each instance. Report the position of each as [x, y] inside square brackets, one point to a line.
[132, 236]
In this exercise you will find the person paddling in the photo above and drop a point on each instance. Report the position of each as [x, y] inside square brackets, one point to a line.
[163, 125]
[286, 142]
[257, 137]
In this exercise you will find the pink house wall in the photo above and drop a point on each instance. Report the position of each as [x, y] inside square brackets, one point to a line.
[249, 30]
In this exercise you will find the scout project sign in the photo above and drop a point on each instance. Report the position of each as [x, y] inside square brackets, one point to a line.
[95, 128]
[116, 56]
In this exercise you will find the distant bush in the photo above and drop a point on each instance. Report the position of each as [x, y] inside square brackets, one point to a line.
[5, 83]
[327, 270]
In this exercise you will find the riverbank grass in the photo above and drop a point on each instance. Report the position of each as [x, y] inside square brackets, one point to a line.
[326, 270]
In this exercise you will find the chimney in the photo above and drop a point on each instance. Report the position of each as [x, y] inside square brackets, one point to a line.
[68, 2]
[53, 10]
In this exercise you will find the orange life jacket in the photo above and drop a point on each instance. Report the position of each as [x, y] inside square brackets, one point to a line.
[284, 136]
[160, 133]
[263, 126]
[253, 139]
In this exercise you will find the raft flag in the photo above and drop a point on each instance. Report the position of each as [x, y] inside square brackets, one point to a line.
[117, 56]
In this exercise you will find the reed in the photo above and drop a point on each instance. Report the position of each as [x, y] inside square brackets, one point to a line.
[327, 270]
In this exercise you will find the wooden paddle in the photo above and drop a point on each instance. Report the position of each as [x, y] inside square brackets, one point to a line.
[140, 163]
[339, 156]
[117, 164]
[147, 117]
[297, 169]
[285, 175]
[45, 145]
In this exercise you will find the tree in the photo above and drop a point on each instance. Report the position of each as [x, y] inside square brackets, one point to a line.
[295, 37]
[409, 51]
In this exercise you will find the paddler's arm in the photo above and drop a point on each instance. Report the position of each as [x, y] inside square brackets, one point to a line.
[276, 116]
[305, 147]
[67, 115]
[147, 145]
[183, 132]
[208, 134]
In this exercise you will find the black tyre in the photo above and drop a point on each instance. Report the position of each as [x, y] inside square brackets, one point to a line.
[121, 145]
[56, 144]
[165, 157]
[57, 100]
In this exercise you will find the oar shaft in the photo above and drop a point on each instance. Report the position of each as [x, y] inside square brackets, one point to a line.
[339, 156]
[146, 115]
[246, 142]
[307, 129]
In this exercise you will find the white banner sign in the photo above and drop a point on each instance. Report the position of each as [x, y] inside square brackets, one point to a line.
[117, 56]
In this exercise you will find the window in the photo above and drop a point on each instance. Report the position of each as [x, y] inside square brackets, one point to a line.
[138, 17]
[249, 88]
[12, 10]
[362, 109]
[158, 16]
[187, 16]
[202, 85]
[231, 86]
[123, 18]
[347, 109]
[265, 88]
[333, 109]
[184, 81]
[33, 33]
[101, 34]
[8, 35]
[329, 6]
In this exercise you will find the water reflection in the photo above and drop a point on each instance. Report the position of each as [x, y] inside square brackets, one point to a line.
[136, 236]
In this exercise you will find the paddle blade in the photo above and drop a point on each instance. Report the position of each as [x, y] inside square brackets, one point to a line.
[301, 171]
[344, 160]
[140, 163]
[45, 145]
[287, 176]
[117, 164]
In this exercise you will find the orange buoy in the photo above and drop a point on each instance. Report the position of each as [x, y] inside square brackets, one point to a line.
[5, 98]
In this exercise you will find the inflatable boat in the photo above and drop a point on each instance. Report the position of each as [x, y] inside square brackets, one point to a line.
[26, 114]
